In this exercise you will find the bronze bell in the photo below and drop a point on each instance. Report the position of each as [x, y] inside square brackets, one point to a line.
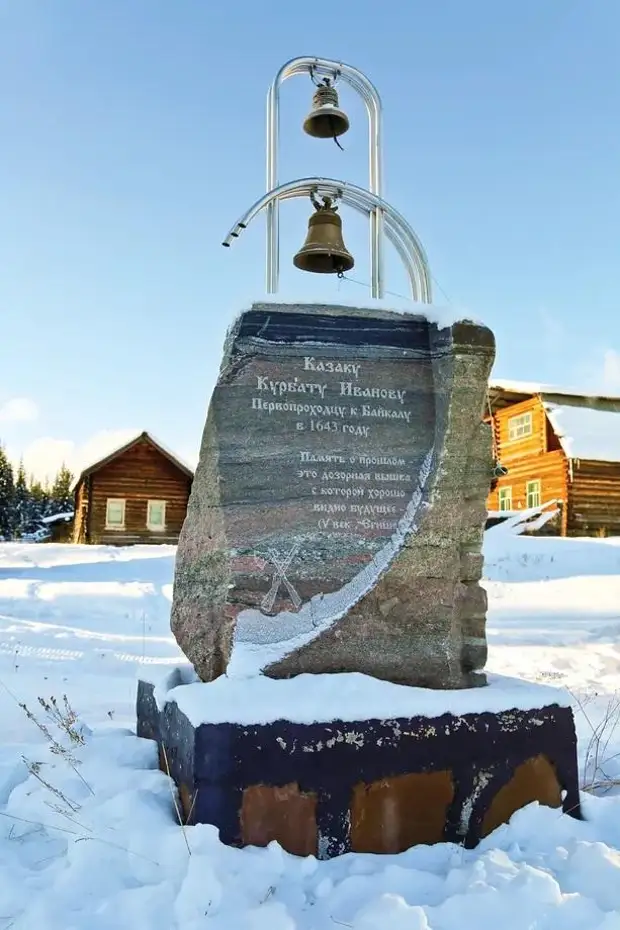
[326, 120]
[324, 252]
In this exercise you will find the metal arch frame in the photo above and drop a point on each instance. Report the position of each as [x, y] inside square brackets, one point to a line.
[397, 229]
[370, 95]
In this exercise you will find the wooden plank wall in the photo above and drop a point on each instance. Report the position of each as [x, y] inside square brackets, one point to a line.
[140, 474]
[80, 522]
[61, 532]
[536, 444]
[537, 457]
[594, 505]
[550, 468]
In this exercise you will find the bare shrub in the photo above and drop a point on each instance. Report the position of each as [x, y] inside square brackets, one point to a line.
[596, 776]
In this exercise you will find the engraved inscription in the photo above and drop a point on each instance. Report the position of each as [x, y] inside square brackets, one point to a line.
[320, 460]
[363, 494]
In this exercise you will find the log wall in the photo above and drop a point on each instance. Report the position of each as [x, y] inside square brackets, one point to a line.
[594, 503]
[537, 457]
[589, 491]
[80, 520]
[136, 476]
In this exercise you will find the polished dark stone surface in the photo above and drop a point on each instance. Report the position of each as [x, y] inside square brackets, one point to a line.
[214, 763]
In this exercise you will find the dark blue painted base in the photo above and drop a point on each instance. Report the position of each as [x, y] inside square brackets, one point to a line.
[213, 763]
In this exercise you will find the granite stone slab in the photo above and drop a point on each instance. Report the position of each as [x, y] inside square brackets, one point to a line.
[336, 515]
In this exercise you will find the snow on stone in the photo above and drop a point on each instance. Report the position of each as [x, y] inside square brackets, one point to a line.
[435, 313]
[586, 433]
[261, 640]
[344, 696]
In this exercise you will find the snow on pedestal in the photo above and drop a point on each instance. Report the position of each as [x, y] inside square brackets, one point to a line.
[308, 699]
[328, 764]
[327, 595]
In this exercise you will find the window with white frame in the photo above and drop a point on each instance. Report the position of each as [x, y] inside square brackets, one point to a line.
[156, 515]
[505, 498]
[532, 494]
[519, 427]
[115, 513]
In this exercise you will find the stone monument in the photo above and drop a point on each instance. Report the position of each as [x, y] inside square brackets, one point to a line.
[311, 544]
[326, 587]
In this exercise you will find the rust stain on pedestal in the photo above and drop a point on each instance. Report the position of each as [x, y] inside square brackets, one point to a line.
[282, 813]
[533, 780]
[393, 814]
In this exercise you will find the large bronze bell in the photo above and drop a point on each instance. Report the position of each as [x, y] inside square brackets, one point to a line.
[326, 120]
[324, 252]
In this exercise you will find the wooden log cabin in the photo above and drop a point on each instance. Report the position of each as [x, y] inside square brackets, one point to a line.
[136, 494]
[559, 446]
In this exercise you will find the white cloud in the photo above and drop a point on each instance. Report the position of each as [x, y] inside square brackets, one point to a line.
[611, 371]
[43, 457]
[18, 410]
[600, 372]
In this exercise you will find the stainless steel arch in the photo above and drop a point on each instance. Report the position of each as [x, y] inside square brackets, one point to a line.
[370, 95]
[397, 229]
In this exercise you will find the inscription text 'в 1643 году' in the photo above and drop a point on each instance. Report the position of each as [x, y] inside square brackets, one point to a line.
[322, 452]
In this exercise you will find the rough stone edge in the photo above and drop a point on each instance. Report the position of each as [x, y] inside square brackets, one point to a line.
[453, 349]
[207, 651]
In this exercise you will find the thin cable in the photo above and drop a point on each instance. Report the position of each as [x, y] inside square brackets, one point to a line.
[345, 277]
[394, 294]
[441, 288]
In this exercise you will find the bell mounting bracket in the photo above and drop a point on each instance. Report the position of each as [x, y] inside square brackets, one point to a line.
[384, 219]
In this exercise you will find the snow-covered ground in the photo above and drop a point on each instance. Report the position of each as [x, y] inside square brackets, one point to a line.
[110, 854]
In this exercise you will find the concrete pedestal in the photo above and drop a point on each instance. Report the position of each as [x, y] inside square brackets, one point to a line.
[374, 785]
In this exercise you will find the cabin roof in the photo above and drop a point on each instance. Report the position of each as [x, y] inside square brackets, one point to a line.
[504, 393]
[124, 447]
[585, 432]
[587, 425]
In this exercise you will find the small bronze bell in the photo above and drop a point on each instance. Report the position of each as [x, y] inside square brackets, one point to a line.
[326, 120]
[324, 252]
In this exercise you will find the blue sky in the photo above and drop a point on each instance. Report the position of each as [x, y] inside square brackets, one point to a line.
[133, 137]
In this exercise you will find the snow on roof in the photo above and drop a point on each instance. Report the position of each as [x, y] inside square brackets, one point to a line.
[524, 521]
[106, 450]
[57, 517]
[539, 387]
[526, 387]
[586, 433]
[173, 455]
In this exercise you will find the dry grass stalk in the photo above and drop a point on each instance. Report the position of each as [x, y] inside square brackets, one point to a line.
[174, 798]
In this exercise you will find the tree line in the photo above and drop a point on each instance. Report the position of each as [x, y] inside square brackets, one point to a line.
[24, 501]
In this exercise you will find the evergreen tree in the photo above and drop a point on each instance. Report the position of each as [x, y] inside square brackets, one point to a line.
[39, 503]
[23, 509]
[7, 497]
[61, 494]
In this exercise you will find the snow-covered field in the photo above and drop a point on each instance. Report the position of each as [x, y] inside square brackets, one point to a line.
[110, 854]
